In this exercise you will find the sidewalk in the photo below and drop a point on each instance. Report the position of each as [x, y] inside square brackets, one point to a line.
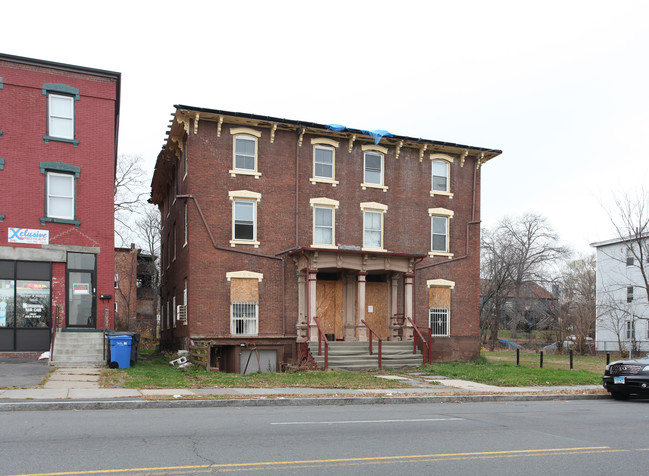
[79, 388]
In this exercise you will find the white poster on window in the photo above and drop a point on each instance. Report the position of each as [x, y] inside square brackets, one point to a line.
[29, 236]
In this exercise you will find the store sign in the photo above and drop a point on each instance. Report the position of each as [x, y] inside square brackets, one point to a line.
[80, 288]
[29, 236]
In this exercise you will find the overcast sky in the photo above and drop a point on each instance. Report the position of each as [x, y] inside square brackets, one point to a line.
[561, 87]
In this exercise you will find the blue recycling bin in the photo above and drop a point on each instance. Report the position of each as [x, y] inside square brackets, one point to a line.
[120, 352]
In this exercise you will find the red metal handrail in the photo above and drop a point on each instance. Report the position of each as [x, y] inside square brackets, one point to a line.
[321, 336]
[378, 337]
[425, 344]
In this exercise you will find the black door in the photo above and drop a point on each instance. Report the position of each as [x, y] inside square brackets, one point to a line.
[81, 290]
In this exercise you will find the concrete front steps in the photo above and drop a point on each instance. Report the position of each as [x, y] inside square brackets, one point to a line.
[78, 349]
[356, 355]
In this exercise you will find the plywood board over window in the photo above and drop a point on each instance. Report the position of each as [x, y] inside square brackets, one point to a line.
[329, 307]
[244, 290]
[439, 297]
[377, 310]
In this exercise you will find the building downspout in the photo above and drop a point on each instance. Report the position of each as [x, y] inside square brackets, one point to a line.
[472, 222]
[466, 253]
[249, 253]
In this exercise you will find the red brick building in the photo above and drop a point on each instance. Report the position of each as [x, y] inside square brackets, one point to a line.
[135, 293]
[58, 144]
[268, 223]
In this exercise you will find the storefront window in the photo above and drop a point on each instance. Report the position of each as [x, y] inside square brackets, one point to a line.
[33, 304]
[6, 303]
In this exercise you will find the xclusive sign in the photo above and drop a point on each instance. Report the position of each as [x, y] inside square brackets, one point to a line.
[27, 236]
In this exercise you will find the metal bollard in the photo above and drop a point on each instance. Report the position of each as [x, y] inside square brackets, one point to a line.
[608, 358]
[541, 353]
[571, 358]
[518, 356]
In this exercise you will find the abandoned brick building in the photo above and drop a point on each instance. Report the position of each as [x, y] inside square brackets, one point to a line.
[268, 224]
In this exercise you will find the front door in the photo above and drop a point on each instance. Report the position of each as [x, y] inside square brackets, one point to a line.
[329, 310]
[81, 276]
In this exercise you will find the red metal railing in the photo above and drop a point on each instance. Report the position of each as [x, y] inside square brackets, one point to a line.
[425, 350]
[378, 337]
[321, 337]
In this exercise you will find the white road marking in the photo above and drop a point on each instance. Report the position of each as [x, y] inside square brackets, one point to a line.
[342, 422]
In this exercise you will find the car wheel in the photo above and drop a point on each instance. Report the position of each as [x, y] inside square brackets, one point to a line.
[619, 396]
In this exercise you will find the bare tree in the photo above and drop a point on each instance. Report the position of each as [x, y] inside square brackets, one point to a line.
[517, 251]
[578, 301]
[534, 249]
[130, 192]
[148, 231]
[495, 273]
[631, 221]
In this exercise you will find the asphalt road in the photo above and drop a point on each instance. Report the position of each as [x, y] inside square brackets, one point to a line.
[599, 437]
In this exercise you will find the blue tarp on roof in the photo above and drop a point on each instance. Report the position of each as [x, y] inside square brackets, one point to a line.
[377, 134]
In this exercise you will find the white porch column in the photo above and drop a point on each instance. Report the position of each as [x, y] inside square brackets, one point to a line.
[302, 324]
[408, 306]
[361, 330]
[394, 288]
[311, 290]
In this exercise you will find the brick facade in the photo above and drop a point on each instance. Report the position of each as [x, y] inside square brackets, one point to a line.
[196, 172]
[30, 152]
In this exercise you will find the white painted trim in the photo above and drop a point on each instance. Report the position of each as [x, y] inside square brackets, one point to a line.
[440, 283]
[325, 202]
[323, 140]
[234, 194]
[245, 130]
[372, 147]
[244, 275]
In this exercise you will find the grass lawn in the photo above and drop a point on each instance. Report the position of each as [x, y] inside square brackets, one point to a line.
[493, 368]
[592, 363]
[154, 371]
[492, 371]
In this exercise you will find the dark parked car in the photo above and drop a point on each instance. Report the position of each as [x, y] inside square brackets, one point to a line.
[624, 378]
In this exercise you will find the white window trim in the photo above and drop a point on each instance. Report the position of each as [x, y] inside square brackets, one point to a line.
[173, 311]
[245, 195]
[440, 283]
[185, 301]
[49, 214]
[324, 203]
[376, 150]
[332, 145]
[232, 327]
[449, 160]
[185, 159]
[244, 275]
[376, 208]
[448, 321]
[444, 213]
[51, 116]
[247, 133]
[186, 225]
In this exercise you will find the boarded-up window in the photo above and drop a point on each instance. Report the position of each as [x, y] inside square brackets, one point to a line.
[439, 303]
[244, 299]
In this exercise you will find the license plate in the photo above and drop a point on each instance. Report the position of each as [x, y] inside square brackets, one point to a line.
[618, 380]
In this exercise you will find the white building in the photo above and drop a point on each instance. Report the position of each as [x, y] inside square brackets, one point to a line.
[622, 306]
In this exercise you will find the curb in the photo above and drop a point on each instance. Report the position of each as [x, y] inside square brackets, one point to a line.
[284, 402]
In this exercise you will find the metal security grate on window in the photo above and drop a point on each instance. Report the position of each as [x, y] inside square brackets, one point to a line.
[244, 318]
[439, 321]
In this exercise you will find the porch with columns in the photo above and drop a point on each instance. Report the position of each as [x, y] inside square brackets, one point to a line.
[350, 303]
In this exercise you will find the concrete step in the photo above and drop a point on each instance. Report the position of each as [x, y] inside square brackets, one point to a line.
[75, 349]
[355, 355]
